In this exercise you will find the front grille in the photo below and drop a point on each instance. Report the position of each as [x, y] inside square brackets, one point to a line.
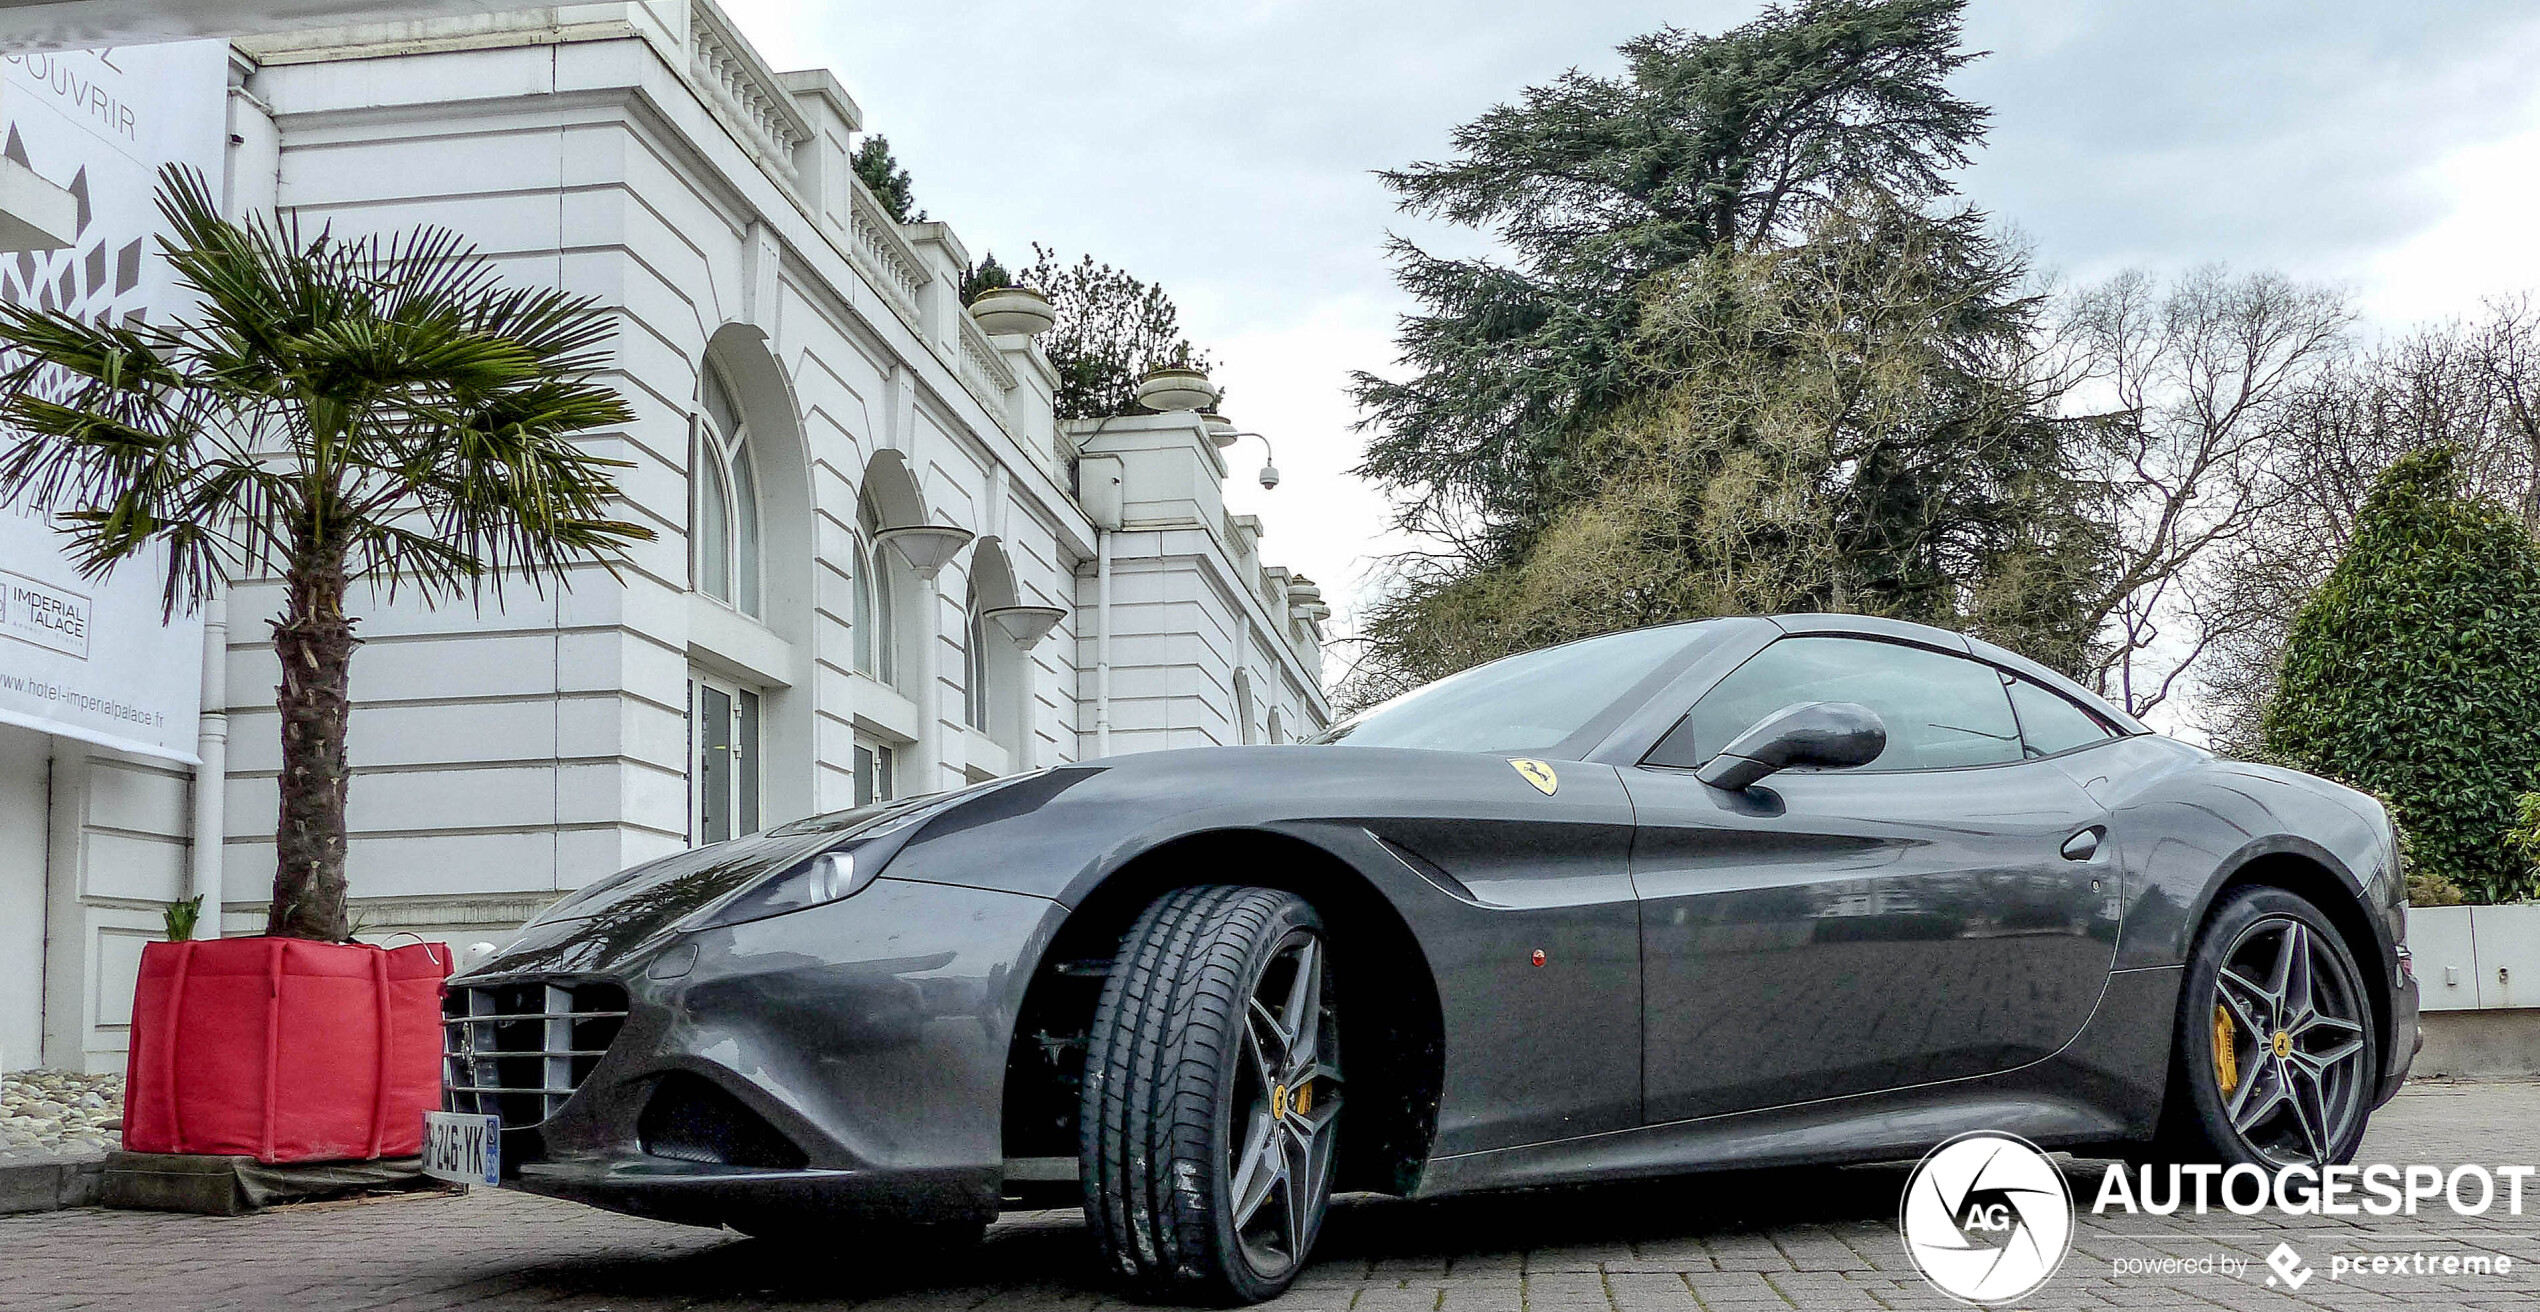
[520, 1050]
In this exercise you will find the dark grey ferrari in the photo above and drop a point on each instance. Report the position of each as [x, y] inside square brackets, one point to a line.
[1724, 894]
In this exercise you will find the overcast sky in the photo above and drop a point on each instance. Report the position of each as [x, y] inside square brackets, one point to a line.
[1226, 151]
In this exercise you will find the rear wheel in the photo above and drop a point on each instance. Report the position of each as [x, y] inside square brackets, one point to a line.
[1212, 1096]
[2276, 1050]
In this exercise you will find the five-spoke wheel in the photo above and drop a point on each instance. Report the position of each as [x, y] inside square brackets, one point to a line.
[1289, 1086]
[1213, 1096]
[2277, 1051]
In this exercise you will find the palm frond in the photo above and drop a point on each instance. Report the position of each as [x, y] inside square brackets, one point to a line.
[382, 401]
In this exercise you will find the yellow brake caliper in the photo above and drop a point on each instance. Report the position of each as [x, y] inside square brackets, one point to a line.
[2226, 1053]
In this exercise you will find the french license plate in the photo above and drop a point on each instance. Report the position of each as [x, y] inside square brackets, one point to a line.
[463, 1147]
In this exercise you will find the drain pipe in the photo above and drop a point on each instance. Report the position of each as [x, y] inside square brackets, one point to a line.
[211, 778]
[1102, 642]
[1098, 490]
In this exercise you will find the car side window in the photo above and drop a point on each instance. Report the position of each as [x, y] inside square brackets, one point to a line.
[1941, 711]
[2050, 722]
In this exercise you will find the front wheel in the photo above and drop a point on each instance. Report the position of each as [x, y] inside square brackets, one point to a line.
[1212, 1097]
[2276, 1052]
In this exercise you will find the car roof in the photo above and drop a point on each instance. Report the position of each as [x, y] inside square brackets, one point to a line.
[1636, 723]
[1874, 626]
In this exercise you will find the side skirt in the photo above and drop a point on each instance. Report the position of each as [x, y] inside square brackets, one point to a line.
[2105, 1086]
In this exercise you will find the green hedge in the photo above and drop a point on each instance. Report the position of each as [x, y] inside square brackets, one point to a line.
[2415, 673]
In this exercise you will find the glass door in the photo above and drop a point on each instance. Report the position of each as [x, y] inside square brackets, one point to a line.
[873, 762]
[723, 772]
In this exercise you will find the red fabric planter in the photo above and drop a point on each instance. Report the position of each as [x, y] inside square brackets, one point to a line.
[284, 1050]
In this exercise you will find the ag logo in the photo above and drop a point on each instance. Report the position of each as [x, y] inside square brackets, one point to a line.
[1538, 774]
[1986, 1218]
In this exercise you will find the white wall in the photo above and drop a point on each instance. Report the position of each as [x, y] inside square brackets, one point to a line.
[24, 756]
[115, 856]
[508, 752]
[504, 756]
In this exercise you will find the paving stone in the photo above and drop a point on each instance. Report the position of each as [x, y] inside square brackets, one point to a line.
[1815, 1240]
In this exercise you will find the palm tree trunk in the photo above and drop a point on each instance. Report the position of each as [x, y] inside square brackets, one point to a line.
[315, 640]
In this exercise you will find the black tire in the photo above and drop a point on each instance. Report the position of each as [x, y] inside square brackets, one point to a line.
[2305, 1059]
[1209, 1117]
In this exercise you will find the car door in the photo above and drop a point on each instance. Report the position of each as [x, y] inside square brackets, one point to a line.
[1932, 915]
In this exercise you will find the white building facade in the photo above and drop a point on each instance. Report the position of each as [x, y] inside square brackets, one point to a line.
[881, 567]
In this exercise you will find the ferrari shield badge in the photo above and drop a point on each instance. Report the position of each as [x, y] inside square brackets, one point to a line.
[1538, 774]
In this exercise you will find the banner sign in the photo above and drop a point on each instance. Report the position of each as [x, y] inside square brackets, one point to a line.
[90, 658]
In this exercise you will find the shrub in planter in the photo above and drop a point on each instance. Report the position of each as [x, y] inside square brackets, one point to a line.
[334, 412]
[2414, 673]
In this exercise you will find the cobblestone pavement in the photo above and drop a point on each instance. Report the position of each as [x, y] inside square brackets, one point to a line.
[50, 1112]
[1753, 1242]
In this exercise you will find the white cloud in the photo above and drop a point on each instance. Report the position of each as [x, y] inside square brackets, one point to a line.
[2486, 240]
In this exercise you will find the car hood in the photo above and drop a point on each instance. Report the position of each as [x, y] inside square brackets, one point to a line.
[605, 920]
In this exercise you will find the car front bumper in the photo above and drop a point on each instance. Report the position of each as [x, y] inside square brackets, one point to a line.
[847, 1058]
[2407, 1033]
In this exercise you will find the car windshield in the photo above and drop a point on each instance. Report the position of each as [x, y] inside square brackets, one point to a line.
[1524, 703]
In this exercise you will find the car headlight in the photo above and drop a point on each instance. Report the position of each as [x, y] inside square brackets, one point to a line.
[827, 876]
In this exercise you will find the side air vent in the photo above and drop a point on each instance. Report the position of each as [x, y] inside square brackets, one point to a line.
[690, 1120]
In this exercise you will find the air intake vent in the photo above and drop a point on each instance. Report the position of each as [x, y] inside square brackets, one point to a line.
[690, 1120]
[520, 1050]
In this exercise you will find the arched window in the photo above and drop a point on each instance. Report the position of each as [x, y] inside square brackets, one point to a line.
[727, 512]
[974, 663]
[1244, 732]
[1278, 727]
[876, 641]
[860, 617]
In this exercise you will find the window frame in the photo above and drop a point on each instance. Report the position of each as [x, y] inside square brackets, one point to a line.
[746, 741]
[2002, 677]
[878, 603]
[976, 714]
[874, 767]
[2109, 733]
[742, 583]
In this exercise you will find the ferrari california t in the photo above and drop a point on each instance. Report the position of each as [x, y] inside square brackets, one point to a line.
[1731, 893]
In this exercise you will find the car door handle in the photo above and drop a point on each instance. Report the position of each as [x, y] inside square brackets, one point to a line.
[2082, 846]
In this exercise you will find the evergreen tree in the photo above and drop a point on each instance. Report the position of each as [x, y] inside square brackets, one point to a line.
[883, 176]
[984, 277]
[1857, 422]
[2414, 671]
[1593, 185]
[1111, 330]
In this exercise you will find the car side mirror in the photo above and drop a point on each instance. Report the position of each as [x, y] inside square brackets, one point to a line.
[1829, 735]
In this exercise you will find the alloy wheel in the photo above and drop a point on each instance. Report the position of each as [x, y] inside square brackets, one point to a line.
[1288, 1094]
[2288, 1042]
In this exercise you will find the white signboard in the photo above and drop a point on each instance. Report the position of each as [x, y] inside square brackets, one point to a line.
[81, 657]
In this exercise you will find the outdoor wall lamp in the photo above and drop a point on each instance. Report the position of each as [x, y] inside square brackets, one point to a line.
[1269, 470]
[926, 547]
[1027, 625]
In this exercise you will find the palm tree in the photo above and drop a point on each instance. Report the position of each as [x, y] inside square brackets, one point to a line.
[334, 411]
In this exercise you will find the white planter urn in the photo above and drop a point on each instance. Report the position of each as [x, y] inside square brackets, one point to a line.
[1176, 389]
[1221, 430]
[1005, 311]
